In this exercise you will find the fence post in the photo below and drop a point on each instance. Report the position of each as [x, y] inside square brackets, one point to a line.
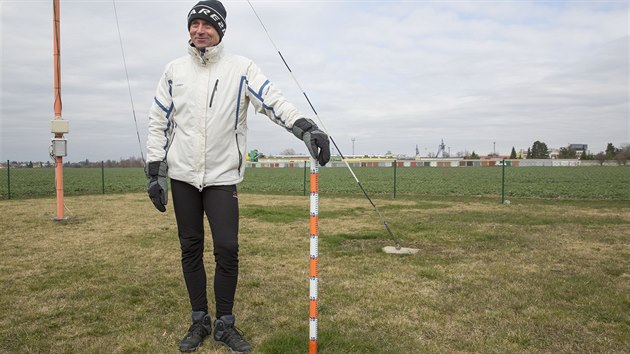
[102, 177]
[304, 183]
[8, 179]
[395, 165]
[503, 181]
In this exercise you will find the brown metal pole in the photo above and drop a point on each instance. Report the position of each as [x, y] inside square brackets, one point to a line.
[57, 93]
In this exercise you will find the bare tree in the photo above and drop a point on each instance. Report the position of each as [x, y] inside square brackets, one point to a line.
[600, 157]
[623, 154]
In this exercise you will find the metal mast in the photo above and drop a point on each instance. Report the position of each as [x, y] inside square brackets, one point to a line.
[58, 125]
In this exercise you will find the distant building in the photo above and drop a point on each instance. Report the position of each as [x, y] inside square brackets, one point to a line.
[579, 148]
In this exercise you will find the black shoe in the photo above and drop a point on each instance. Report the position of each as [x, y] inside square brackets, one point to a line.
[200, 329]
[227, 334]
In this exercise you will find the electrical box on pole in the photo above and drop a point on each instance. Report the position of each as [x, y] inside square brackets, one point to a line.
[59, 144]
[59, 147]
[59, 126]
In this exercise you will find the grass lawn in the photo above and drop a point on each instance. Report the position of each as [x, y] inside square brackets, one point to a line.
[533, 276]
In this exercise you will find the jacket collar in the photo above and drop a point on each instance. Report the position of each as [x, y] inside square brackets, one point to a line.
[210, 54]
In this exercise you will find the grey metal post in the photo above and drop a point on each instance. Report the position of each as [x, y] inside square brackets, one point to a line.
[395, 165]
[304, 183]
[102, 177]
[8, 179]
[503, 181]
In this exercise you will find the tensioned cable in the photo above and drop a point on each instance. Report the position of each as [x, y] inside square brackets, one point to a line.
[323, 127]
[133, 110]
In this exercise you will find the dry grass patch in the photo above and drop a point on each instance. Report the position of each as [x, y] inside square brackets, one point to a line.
[529, 277]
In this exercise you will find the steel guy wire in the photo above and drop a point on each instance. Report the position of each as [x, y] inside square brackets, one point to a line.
[323, 127]
[133, 110]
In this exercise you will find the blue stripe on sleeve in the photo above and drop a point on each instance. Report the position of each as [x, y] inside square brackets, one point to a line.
[258, 95]
[260, 92]
[168, 113]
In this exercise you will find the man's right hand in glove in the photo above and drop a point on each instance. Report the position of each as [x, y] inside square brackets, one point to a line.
[157, 184]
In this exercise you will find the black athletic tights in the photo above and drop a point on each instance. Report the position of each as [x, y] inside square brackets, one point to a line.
[220, 204]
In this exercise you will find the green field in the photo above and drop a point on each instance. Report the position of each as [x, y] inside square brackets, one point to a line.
[608, 182]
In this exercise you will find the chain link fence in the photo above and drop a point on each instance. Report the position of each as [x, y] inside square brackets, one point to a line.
[502, 179]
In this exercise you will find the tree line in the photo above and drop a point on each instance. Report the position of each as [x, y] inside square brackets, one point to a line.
[538, 150]
[128, 162]
[621, 154]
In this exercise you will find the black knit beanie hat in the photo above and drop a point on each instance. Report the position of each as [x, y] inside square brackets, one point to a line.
[211, 11]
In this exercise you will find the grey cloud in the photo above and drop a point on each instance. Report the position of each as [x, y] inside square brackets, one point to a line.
[389, 75]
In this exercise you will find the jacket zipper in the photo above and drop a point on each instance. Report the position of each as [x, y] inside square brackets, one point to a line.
[240, 155]
[214, 90]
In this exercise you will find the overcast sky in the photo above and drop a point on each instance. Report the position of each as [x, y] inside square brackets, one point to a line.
[389, 74]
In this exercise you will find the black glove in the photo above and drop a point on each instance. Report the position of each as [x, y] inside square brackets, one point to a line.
[314, 138]
[157, 185]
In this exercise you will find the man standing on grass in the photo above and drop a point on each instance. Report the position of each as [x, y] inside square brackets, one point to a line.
[197, 136]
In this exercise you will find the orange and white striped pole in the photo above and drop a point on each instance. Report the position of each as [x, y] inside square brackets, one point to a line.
[314, 233]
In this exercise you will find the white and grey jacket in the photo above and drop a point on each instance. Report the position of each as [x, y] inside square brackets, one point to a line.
[198, 120]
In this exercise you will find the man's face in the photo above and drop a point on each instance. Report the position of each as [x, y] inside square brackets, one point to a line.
[203, 34]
